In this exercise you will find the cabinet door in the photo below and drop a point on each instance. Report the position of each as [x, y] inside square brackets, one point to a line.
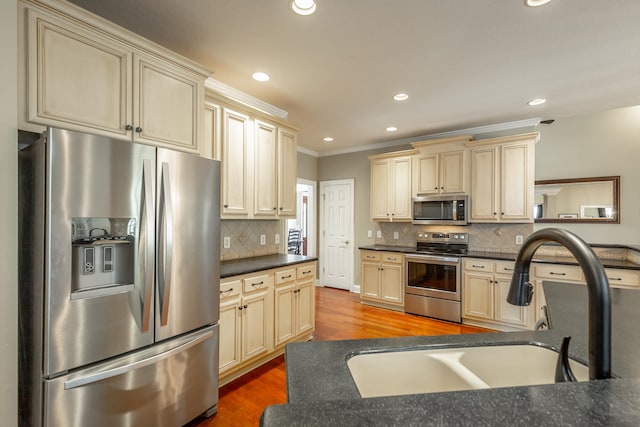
[285, 313]
[306, 307]
[427, 174]
[77, 79]
[287, 172]
[392, 289]
[452, 172]
[265, 183]
[230, 330]
[478, 296]
[380, 182]
[400, 193]
[255, 325]
[507, 313]
[168, 104]
[211, 146]
[516, 182]
[484, 185]
[370, 287]
[234, 163]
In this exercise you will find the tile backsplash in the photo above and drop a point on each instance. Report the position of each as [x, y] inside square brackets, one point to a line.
[244, 236]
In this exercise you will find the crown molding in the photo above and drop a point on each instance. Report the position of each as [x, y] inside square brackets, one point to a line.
[244, 98]
[308, 152]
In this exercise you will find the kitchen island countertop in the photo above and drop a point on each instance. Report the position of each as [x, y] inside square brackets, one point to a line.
[321, 391]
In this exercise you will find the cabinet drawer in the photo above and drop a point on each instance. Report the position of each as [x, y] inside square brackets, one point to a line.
[392, 257]
[255, 283]
[285, 276]
[371, 256]
[559, 272]
[619, 277]
[230, 288]
[306, 271]
[504, 267]
[478, 265]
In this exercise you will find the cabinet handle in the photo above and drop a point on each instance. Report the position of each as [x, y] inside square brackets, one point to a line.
[257, 284]
[477, 266]
[139, 129]
[306, 272]
[507, 269]
[614, 278]
[128, 127]
[227, 291]
[286, 277]
[370, 257]
[553, 273]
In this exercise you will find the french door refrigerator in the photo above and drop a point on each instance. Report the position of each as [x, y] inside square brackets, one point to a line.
[119, 283]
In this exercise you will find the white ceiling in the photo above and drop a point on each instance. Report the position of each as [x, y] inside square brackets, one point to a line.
[464, 63]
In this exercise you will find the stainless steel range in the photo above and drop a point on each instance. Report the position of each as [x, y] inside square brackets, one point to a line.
[433, 281]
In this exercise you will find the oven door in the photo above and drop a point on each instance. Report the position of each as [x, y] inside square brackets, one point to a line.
[433, 276]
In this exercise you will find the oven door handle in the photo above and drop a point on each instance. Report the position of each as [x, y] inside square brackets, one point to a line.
[432, 259]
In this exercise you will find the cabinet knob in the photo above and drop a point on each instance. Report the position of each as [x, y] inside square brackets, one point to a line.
[281, 208]
[274, 208]
[138, 129]
[128, 127]
[226, 206]
[435, 188]
[442, 188]
[501, 213]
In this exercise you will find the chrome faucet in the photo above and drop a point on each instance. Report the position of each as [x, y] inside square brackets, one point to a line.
[521, 291]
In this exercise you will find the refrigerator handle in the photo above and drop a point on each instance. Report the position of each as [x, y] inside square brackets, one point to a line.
[166, 228]
[147, 223]
[120, 370]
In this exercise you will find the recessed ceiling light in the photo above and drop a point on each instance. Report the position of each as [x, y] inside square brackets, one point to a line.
[392, 129]
[537, 101]
[534, 3]
[260, 76]
[303, 7]
[327, 139]
[401, 97]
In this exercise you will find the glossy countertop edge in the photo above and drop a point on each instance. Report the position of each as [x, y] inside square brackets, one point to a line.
[511, 256]
[236, 267]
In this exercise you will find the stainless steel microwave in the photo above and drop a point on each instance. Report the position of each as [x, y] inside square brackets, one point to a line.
[441, 210]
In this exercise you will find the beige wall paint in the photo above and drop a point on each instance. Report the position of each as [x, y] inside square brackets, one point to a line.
[601, 144]
[8, 215]
[307, 167]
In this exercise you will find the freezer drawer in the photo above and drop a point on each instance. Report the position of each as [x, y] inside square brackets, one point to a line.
[165, 385]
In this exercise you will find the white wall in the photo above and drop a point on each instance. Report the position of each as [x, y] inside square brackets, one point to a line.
[601, 144]
[8, 215]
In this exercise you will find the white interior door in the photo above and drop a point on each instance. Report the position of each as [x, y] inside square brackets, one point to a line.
[336, 246]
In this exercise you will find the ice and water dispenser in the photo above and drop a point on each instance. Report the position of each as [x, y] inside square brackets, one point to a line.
[102, 256]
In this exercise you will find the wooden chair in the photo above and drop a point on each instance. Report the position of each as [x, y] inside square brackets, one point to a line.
[294, 241]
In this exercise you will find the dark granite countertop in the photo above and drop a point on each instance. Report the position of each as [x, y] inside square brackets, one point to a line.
[321, 391]
[240, 266]
[508, 256]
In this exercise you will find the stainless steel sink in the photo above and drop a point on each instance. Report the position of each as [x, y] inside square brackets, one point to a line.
[459, 368]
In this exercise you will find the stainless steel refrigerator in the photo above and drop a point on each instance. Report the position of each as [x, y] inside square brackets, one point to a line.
[119, 283]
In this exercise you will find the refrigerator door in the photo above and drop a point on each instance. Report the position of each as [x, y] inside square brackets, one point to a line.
[168, 384]
[99, 249]
[188, 243]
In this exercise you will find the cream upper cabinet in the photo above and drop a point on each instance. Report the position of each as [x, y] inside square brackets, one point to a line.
[391, 186]
[265, 171]
[82, 77]
[439, 173]
[212, 147]
[235, 166]
[287, 171]
[502, 179]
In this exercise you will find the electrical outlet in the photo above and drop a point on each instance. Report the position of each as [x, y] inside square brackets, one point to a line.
[379, 234]
[277, 239]
[396, 236]
[263, 239]
[370, 233]
[227, 242]
[519, 239]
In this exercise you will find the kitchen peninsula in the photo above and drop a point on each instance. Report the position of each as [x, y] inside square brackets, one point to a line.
[321, 390]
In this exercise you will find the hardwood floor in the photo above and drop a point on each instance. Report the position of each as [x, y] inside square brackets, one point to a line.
[339, 315]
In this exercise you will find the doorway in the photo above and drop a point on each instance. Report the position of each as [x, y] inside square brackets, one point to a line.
[336, 233]
[305, 220]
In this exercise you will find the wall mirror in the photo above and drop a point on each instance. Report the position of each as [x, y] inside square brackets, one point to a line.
[584, 200]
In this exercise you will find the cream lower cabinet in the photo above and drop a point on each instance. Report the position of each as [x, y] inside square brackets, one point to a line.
[382, 276]
[485, 287]
[502, 179]
[391, 186]
[294, 302]
[260, 312]
[79, 76]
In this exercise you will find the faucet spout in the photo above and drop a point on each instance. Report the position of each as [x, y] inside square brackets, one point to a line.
[521, 291]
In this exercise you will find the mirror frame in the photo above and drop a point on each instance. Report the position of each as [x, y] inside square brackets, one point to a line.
[615, 219]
